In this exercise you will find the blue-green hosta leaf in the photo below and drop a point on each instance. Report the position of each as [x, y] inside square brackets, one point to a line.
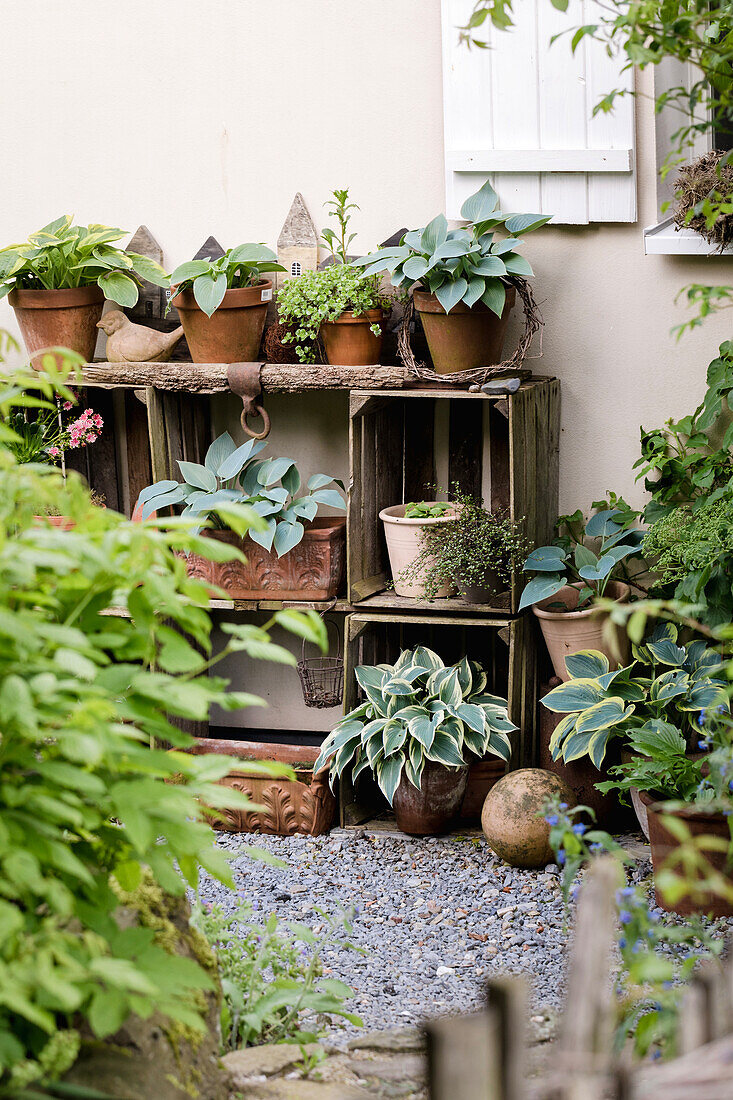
[155, 490]
[422, 729]
[541, 588]
[490, 265]
[546, 559]
[475, 290]
[494, 296]
[306, 508]
[287, 536]
[389, 773]
[394, 736]
[434, 234]
[598, 572]
[573, 696]
[291, 480]
[701, 660]
[426, 657]
[618, 553]
[576, 746]
[587, 663]
[667, 653]
[415, 267]
[525, 223]
[265, 538]
[583, 556]
[449, 250]
[198, 476]
[603, 524]
[331, 497]
[706, 693]
[165, 500]
[248, 479]
[607, 713]
[669, 685]
[232, 465]
[507, 245]
[472, 715]
[563, 729]
[444, 751]
[209, 291]
[450, 294]
[597, 746]
[517, 265]
[271, 471]
[481, 205]
[220, 449]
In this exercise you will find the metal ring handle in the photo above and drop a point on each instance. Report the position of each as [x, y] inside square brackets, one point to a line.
[253, 409]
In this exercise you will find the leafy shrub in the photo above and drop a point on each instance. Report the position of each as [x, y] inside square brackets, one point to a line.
[272, 974]
[85, 807]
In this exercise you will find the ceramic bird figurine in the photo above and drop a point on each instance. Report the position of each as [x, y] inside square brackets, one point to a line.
[130, 343]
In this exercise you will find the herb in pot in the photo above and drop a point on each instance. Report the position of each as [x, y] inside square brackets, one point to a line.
[429, 510]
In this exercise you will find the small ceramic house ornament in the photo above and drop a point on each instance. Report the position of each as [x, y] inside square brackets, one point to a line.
[297, 245]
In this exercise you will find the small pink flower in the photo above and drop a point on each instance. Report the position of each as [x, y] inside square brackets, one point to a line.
[67, 405]
[54, 452]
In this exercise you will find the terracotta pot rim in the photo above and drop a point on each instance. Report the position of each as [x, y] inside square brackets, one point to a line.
[320, 529]
[425, 302]
[348, 317]
[242, 297]
[621, 589]
[690, 811]
[389, 515]
[56, 299]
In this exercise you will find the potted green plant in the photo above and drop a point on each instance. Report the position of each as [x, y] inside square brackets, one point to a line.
[404, 527]
[416, 731]
[569, 575]
[58, 280]
[222, 303]
[688, 803]
[462, 279]
[291, 552]
[337, 306]
[476, 553]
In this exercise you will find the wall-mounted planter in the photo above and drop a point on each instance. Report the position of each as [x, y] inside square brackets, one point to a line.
[233, 333]
[349, 340]
[58, 318]
[302, 805]
[313, 570]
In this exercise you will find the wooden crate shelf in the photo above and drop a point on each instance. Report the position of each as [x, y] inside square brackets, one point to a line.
[393, 450]
[505, 647]
[209, 378]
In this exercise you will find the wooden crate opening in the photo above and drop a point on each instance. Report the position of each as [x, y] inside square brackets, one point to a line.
[504, 448]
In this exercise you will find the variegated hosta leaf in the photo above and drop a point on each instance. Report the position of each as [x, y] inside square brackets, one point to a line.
[669, 685]
[573, 695]
[414, 771]
[422, 730]
[389, 773]
[465, 678]
[598, 744]
[436, 678]
[421, 655]
[371, 729]
[472, 715]
[479, 679]
[706, 693]
[587, 663]
[609, 712]
[575, 746]
[397, 685]
[666, 652]
[453, 727]
[374, 749]
[393, 737]
[450, 689]
[406, 714]
[361, 765]
[500, 745]
[563, 728]
[344, 755]
[476, 742]
[444, 751]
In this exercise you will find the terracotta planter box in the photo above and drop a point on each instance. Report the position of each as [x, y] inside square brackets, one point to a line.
[313, 570]
[302, 805]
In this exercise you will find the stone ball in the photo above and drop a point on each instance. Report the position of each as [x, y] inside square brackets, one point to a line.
[512, 818]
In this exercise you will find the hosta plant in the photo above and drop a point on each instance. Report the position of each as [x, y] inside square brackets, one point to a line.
[210, 279]
[62, 256]
[467, 265]
[230, 477]
[416, 710]
[571, 561]
[666, 682]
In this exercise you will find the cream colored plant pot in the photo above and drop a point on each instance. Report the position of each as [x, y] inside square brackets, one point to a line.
[403, 546]
[567, 632]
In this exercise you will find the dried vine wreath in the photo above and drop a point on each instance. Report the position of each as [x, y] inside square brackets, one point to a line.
[477, 376]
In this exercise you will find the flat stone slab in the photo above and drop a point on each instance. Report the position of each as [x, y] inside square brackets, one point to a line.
[283, 1089]
[265, 1061]
[397, 1040]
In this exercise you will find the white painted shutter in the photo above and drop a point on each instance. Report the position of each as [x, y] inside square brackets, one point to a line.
[520, 114]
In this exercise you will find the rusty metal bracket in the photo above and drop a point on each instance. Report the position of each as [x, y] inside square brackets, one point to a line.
[244, 380]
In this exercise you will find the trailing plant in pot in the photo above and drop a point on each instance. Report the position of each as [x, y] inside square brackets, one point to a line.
[336, 305]
[416, 731]
[570, 575]
[462, 279]
[222, 303]
[476, 552]
[404, 528]
[58, 280]
[285, 525]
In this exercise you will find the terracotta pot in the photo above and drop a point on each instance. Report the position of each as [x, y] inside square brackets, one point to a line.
[58, 318]
[63, 522]
[636, 800]
[435, 806]
[466, 337]
[313, 570]
[663, 844]
[404, 543]
[233, 333]
[482, 775]
[301, 805]
[349, 340]
[567, 632]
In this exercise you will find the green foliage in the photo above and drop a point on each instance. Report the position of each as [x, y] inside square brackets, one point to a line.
[427, 510]
[461, 265]
[476, 548]
[339, 242]
[95, 660]
[317, 296]
[416, 710]
[573, 843]
[660, 764]
[272, 974]
[62, 256]
[233, 488]
[210, 279]
[666, 682]
[569, 560]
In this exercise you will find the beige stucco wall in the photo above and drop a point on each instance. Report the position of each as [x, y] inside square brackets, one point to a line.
[199, 118]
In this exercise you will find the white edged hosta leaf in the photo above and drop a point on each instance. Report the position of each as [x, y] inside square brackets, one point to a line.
[426, 657]
[450, 689]
[472, 716]
[563, 729]
[667, 653]
[465, 676]
[475, 742]
[573, 696]
[394, 736]
[422, 729]
[607, 713]
[389, 773]
[587, 663]
[444, 751]
[414, 770]
[500, 745]
[372, 729]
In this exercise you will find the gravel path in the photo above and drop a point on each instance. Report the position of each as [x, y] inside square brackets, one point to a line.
[436, 917]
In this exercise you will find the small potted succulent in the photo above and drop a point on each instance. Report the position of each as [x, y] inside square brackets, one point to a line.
[404, 528]
[419, 727]
[223, 303]
[337, 305]
[58, 280]
[476, 553]
[291, 553]
[463, 279]
[569, 575]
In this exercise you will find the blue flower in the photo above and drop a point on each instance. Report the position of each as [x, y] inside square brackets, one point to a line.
[622, 942]
[730, 785]
[702, 744]
[596, 846]
[626, 892]
[625, 916]
[580, 828]
[722, 709]
[561, 856]
[563, 805]
[701, 718]
[656, 1055]
[552, 819]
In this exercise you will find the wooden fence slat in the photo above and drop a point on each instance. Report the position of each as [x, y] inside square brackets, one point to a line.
[464, 1058]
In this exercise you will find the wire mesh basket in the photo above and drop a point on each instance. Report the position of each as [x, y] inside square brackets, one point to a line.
[322, 678]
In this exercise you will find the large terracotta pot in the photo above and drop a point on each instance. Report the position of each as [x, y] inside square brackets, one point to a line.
[482, 775]
[349, 340]
[63, 522]
[465, 338]
[433, 807]
[233, 333]
[567, 632]
[288, 806]
[312, 570]
[404, 543]
[663, 844]
[58, 318]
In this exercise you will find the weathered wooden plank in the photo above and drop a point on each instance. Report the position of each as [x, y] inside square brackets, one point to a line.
[157, 434]
[276, 377]
[508, 998]
[419, 449]
[703, 1074]
[453, 605]
[465, 446]
[137, 446]
[464, 1058]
